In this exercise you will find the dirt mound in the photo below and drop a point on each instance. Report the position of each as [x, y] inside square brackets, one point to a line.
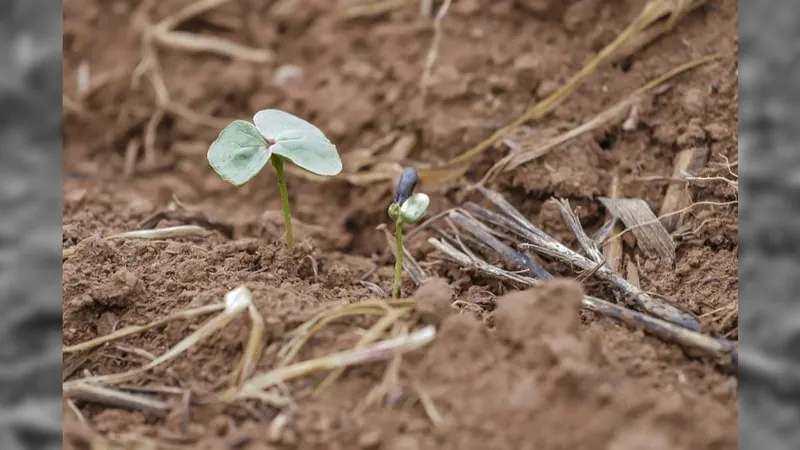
[513, 388]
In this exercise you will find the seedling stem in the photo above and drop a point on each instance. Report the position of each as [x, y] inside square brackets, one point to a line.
[277, 162]
[398, 265]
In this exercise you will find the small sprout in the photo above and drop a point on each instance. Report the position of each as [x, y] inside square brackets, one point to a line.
[237, 300]
[243, 149]
[407, 207]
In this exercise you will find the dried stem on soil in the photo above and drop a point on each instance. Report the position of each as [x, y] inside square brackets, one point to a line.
[375, 352]
[371, 336]
[733, 183]
[612, 250]
[470, 261]
[164, 34]
[193, 42]
[300, 335]
[197, 217]
[433, 53]
[135, 329]
[651, 236]
[675, 213]
[375, 9]
[640, 32]
[690, 160]
[390, 383]
[97, 394]
[206, 330]
[527, 152]
[662, 319]
[252, 351]
[656, 27]
[518, 261]
[178, 231]
[722, 349]
[427, 404]
[86, 388]
[537, 239]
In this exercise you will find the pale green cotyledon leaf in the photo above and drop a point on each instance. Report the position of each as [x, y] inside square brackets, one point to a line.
[298, 141]
[239, 153]
[414, 208]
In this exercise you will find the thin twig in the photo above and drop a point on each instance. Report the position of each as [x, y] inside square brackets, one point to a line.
[613, 250]
[135, 329]
[722, 349]
[374, 9]
[517, 260]
[197, 43]
[690, 161]
[199, 218]
[369, 337]
[193, 9]
[433, 52]
[545, 244]
[375, 352]
[207, 329]
[639, 30]
[111, 397]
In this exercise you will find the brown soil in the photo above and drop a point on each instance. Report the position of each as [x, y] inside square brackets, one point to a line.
[508, 369]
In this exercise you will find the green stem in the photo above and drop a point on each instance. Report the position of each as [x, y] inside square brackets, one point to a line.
[398, 265]
[277, 162]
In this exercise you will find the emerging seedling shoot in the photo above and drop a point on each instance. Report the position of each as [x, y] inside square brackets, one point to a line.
[407, 207]
[243, 149]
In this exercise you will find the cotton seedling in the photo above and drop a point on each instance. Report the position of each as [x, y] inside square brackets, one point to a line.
[407, 207]
[243, 149]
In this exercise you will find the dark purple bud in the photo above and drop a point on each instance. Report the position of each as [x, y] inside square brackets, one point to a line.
[405, 187]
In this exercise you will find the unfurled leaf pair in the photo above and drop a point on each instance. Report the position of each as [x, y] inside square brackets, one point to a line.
[243, 149]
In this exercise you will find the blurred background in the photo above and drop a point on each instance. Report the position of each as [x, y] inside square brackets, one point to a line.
[30, 229]
[770, 256]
